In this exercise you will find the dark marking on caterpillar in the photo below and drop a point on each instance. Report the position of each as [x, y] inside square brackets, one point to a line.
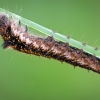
[16, 37]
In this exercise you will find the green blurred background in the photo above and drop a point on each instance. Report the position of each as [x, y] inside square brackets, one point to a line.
[28, 77]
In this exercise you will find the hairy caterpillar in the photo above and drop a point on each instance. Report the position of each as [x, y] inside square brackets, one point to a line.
[16, 37]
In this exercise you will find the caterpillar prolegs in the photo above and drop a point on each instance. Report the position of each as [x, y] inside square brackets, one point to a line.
[18, 38]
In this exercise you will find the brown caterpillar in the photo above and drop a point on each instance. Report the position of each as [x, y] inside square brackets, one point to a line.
[16, 37]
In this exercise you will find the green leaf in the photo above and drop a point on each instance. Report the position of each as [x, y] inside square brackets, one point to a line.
[56, 35]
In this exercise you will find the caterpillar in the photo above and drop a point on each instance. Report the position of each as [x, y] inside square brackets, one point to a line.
[18, 38]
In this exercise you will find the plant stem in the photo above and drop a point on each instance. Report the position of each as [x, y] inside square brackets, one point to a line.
[56, 35]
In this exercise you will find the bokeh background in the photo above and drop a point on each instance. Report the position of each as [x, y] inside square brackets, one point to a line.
[28, 77]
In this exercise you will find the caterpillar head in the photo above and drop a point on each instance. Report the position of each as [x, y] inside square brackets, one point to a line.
[4, 22]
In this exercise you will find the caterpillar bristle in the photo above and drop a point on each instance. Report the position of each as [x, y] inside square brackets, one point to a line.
[68, 37]
[19, 23]
[54, 31]
[84, 43]
[96, 48]
[26, 28]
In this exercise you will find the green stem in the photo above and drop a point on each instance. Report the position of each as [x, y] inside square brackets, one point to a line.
[56, 35]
